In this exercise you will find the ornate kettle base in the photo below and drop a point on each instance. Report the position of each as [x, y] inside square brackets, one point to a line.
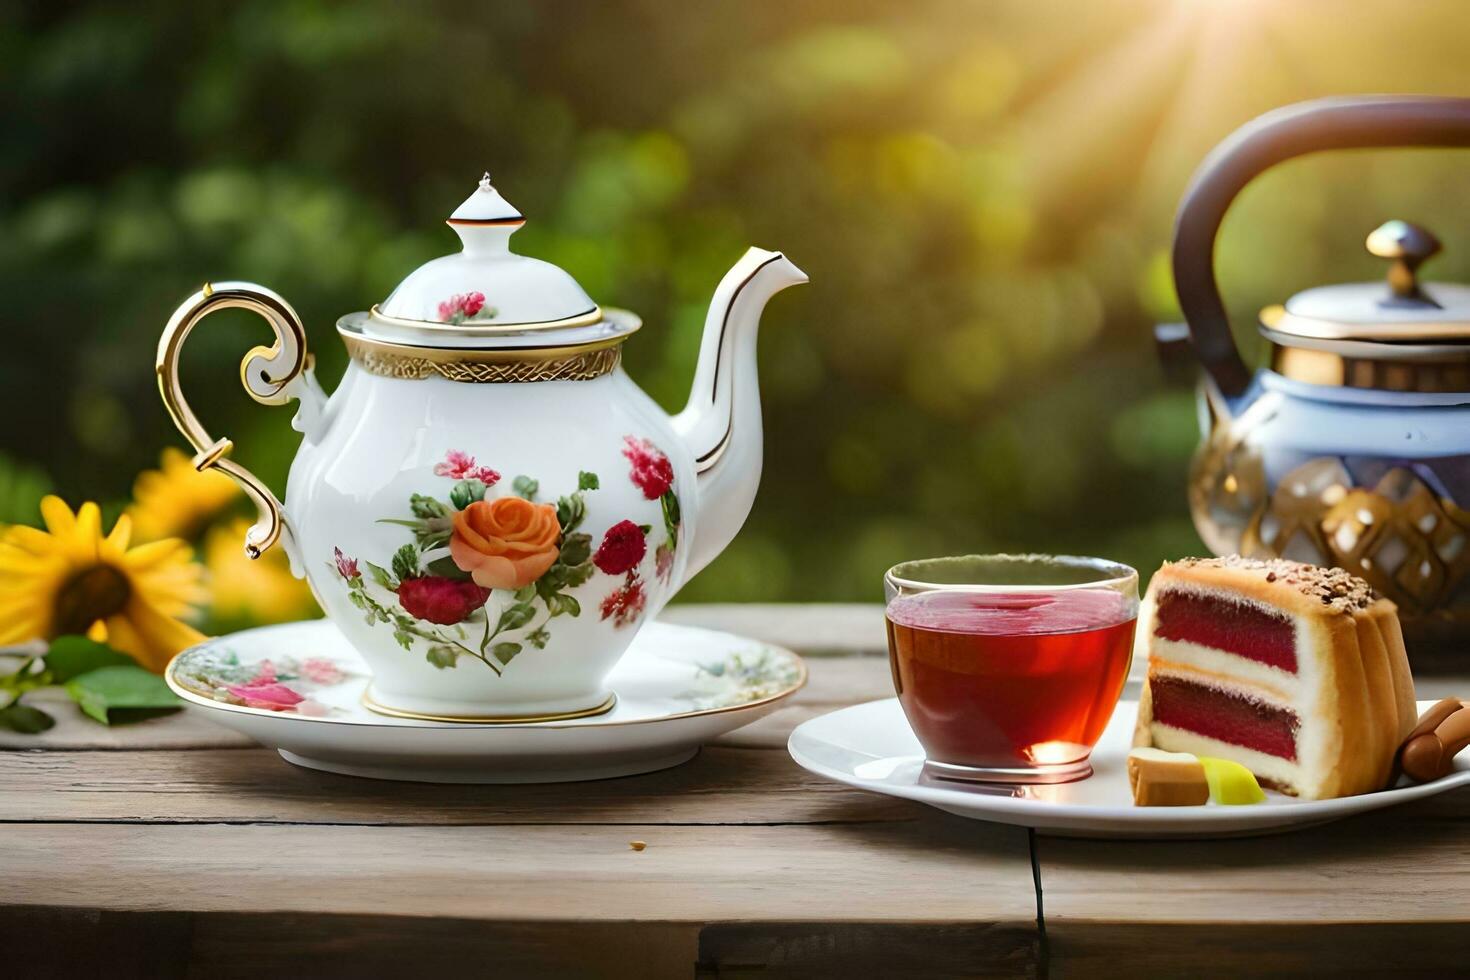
[1407, 540]
[375, 706]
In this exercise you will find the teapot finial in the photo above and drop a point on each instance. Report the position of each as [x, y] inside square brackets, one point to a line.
[1409, 246]
[485, 182]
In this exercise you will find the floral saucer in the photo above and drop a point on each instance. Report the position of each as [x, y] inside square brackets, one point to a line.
[300, 688]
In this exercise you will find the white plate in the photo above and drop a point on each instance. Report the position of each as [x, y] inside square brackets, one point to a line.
[871, 746]
[677, 688]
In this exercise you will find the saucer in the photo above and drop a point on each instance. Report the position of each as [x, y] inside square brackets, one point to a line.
[871, 746]
[299, 688]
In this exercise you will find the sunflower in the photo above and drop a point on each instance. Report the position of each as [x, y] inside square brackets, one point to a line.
[176, 500]
[247, 591]
[70, 578]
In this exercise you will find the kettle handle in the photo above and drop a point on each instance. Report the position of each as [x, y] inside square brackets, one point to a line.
[1338, 123]
[270, 376]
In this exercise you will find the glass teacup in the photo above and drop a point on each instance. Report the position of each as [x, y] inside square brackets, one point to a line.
[1008, 667]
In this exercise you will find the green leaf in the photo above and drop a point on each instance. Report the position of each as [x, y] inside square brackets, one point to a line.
[406, 562]
[538, 638]
[526, 594]
[671, 509]
[442, 657]
[575, 549]
[30, 675]
[380, 575]
[427, 507]
[570, 511]
[578, 574]
[71, 656]
[515, 617]
[111, 694]
[645, 528]
[24, 719]
[587, 481]
[562, 604]
[466, 492]
[505, 652]
[526, 487]
[552, 581]
[446, 568]
[431, 538]
[404, 638]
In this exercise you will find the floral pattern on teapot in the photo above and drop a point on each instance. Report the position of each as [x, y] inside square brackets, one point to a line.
[481, 543]
[465, 306]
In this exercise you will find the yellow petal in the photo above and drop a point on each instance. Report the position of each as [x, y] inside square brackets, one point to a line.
[88, 530]
[122, 532]
[150, 555]
[149, 636]
[28, 539]
[57, 515]
[32, 625]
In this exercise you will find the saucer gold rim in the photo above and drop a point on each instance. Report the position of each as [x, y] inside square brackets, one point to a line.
[382, 709]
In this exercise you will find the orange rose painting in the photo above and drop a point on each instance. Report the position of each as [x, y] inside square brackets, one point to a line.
[488, 573]
[506, 543]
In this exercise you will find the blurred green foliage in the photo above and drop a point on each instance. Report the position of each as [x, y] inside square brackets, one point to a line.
[980, 191]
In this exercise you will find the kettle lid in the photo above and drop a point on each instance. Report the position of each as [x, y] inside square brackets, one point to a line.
[1402, 310]
[486, 287]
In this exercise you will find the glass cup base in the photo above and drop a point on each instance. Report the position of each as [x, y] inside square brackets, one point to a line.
[1068, 772]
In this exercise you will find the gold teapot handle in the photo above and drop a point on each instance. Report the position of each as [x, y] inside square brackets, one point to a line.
[266, 372]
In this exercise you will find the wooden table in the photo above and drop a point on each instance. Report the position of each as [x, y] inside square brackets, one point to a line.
[175, 848]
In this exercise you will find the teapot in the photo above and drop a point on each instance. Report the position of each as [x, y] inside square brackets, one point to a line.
[1351, 447]
[487, 506]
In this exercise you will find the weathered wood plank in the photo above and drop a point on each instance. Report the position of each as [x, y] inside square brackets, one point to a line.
[68, 943]
[935, 869]
[1392, 875]
[719, 786]
[1362, 949]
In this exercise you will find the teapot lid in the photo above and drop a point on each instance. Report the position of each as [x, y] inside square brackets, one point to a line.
[486, 294]
[1403, 311]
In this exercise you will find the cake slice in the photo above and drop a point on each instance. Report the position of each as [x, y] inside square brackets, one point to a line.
[1294, 671]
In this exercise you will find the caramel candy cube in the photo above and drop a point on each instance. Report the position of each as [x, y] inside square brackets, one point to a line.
[1162, 778]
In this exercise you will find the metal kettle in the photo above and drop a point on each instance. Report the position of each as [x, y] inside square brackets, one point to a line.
[1351, 446]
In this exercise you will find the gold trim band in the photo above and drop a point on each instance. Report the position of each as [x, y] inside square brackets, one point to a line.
[381, 709]
[1322, 367]
[389, 360]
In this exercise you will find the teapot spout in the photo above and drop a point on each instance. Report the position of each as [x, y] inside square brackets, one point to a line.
[721, 424]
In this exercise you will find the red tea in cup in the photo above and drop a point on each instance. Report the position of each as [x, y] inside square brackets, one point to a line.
[1010, 685]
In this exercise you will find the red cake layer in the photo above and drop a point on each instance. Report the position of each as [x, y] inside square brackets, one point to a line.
[1234, 627]
[1225, 716]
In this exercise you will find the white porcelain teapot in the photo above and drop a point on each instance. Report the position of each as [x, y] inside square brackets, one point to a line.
[487, 506]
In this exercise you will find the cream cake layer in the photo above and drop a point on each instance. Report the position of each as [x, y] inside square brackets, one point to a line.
[1228, 667]
[1296, 672]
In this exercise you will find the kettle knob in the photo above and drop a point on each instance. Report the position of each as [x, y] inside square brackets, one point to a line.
[1409, 246]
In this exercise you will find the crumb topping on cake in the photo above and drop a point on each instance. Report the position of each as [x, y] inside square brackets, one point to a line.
[1335, 587]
